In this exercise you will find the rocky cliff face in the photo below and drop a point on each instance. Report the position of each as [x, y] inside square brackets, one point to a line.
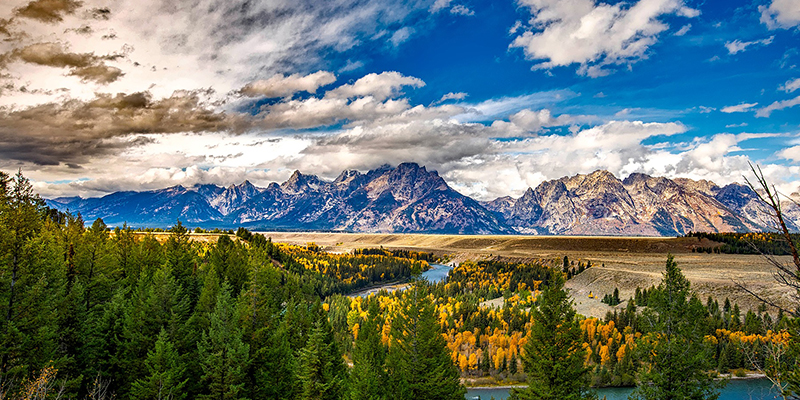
[601, 204]
[409, 198]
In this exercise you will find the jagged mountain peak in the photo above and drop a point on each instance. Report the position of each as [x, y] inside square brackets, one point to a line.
[411, 198]
[300, 182]
[244, 185]
[347, 175]
[173, 189]
[636, 178]
[599, 180]
[702, 185]
[602, 174]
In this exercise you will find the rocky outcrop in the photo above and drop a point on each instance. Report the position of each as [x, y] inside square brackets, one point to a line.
[601, 204]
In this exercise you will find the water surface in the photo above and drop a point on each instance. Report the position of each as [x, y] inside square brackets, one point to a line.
[743, 389]
[437, 273]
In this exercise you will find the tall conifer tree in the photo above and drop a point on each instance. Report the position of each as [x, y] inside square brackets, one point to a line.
[554, 356]
[164, 379]
[419, 364]
[368, 378]
[222, 353]
[678, 362]
[322, 373]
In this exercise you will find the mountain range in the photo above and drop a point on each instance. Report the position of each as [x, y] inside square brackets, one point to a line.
[409, 198]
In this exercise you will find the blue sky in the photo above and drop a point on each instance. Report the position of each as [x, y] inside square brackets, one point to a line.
[497, 96]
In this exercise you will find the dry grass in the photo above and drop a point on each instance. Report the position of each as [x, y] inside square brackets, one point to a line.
[619, 262]
[196, 237]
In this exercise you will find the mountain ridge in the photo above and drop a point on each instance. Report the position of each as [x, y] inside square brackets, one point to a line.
[409, 198]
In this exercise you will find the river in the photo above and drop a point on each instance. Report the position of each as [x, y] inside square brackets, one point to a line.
[741, 389]
[436, 274]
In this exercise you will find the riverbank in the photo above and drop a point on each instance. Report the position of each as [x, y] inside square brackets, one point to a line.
[436, 274]
[736, 389]
[508, 386]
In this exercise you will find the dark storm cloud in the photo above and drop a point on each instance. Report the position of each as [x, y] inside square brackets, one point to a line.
[53, 55]
[50, 11]
[100, 73]
[73, 131]
[4, 25]
[101, 14]
[87, 66]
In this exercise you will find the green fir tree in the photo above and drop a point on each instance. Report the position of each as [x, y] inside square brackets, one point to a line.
[678, 362]
[222, 354]
[419, 364]
[368, 378]
[165, 376]
[554, 355]
[322, 373]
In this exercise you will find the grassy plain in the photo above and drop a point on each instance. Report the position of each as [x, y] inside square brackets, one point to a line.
[618, 262]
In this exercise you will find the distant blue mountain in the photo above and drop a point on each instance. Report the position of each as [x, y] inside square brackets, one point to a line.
[409, 198]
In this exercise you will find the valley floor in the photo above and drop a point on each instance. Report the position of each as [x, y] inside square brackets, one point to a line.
[618, 262]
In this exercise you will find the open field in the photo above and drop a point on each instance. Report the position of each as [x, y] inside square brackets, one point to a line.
[621, 262]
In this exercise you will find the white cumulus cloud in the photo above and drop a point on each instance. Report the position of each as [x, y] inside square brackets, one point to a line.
[790, 153]
[284, 86]
[380, 86]
[781, 14]
[594, 35]
[790, 85]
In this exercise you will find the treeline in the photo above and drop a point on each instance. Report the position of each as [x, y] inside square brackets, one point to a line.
[493, 278]
[745, 243]
[727, 332]
[345, 273]
[95, 313]
[410, 254]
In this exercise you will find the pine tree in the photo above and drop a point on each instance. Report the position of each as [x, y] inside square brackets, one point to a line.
[222, 354]
[274, 366]
[322, 373]
[124, 253]
[148, 255]
[272, 371]
[512, 365]
[164, 379]
[368, 378]
[156, 303]
[419, 364]
[29, 291]
[179, 254]
[229, 261]
[678, 360]
[96, 268]
[554, 355]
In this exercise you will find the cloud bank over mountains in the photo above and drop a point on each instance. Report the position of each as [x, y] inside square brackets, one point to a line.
[99, 96]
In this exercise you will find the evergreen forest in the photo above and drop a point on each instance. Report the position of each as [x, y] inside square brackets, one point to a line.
[93, 312]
